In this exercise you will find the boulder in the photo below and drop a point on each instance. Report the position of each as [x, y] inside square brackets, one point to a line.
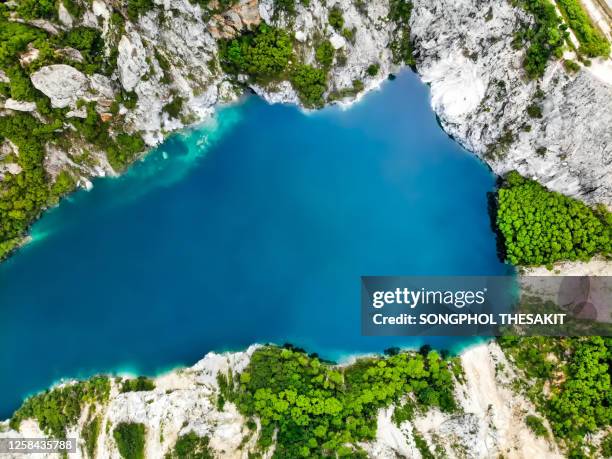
[61, 83]
[19, 105]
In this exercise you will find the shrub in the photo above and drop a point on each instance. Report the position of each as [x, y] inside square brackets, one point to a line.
[401, 47]
[124, 150]
[14, 38]
[592, 41]
[174, 107]
[90, 43]
[191, 446]
[325, 54]
[74, 8]
[130, 439]
[536, 425]
[534, 111]
[57, 409]
[136, 8]
[139, 384]
[373, 70]
[284, 6]
[36, 9]
[545, 37]
[541, 227]
[21, 86]
[64, 183]
[571, 66]
[606, 446]
[264, 54]
[91, 431]
[310, 84]
[335, 18]
[580, 403]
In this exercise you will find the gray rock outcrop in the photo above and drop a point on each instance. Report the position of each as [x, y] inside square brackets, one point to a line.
[479, 91]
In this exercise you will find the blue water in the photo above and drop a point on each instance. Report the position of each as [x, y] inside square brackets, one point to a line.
[253, 228]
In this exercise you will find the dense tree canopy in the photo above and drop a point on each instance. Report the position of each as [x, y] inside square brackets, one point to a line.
[130, 439]
[544, 38]
[317, 409]
[541, 227]
[569, 382]
[592, 42]
[263, 55]
[59, 408]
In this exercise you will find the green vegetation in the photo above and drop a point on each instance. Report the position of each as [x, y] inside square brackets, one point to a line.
[284, 6]
[136, 8]
[91, 432]
[421, 445]
[142, 383]
[578, 399]
[536, 425]
[25, 195]
[541, 227]
[318, 410]
[57, 409]
[264, 55]
[74, 8]
[534, 111]
[130, 439]
[310, 83]
[190, 446]
[373, 70]
[90, 43]
[335, 18]
[325, 54]
[404, 412]
[592, 41]
[571, 66]
[174, 107]
[401, 47]
[606, 446]
[545, 37]
[37, 9]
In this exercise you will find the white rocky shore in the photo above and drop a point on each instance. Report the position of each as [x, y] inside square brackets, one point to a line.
[490, 422]
[463, 51]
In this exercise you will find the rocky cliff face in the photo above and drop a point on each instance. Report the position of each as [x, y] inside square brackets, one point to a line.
[490, 421]
[464, 51]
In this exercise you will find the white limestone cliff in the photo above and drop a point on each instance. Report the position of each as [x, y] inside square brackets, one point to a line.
[463, 51]
[489, 423]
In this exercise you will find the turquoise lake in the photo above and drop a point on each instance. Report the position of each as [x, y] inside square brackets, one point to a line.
[255, 227]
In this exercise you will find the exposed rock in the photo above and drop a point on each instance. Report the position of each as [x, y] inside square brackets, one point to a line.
[63, 84]
[19, 105]
[29, 56]
[64, 16]
[10, 168]
[4, 78]
[77, 113]
[490, 422]
[480, 93]
[132, 60]
[102, 86]
[39, 23]
[243, 15]
[70, 53]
